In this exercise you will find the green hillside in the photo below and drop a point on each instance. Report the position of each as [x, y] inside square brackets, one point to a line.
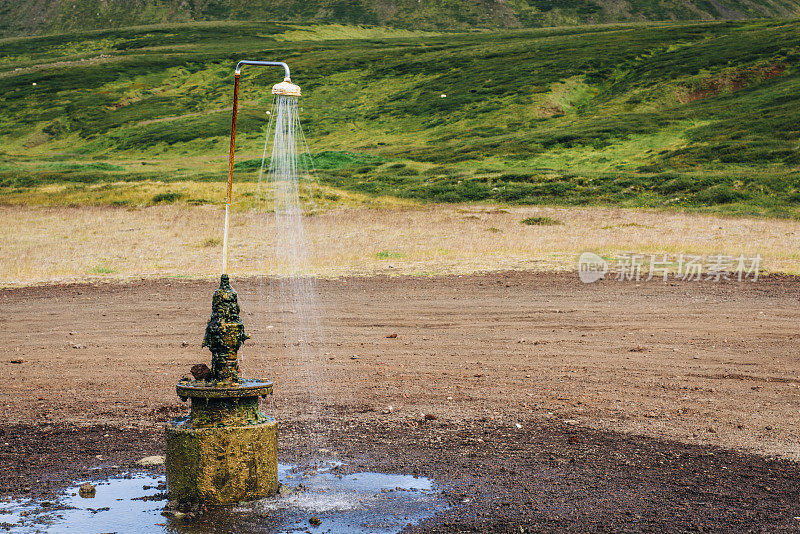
[29, 17]
[701, 115]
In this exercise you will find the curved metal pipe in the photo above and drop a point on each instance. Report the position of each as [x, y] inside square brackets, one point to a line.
[263, 64]
[237, 73]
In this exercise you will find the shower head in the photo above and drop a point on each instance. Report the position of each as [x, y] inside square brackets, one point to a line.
[286, 88]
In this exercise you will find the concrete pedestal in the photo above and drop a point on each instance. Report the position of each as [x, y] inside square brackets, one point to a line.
[222, 465]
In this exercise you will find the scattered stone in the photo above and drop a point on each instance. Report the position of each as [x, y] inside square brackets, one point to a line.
[184, 343]
[17, 361]
[391, 336]
[430, 417]
[638, 348]
[519, 426]
[314, 521]
[354, 357]
[87, 491]
[201, 371]
[149, 461]
[78, 346]
[173, 513]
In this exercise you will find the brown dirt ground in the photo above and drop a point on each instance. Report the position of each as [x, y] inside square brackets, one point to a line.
[558, 405]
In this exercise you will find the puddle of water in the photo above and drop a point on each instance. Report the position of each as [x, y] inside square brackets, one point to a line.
[111, 510]
[344, 503]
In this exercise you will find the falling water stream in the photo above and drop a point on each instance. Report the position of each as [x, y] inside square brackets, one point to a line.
[286, 188]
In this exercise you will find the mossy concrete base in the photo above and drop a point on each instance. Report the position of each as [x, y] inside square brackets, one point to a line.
[222, 465]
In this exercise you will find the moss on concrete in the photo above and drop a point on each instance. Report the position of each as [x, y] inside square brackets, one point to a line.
[222, 465]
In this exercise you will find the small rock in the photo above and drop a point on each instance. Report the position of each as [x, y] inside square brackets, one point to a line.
[173, 513]
[87, 491]
[711, 430]
[354, 357]
[17, 361]
[518, 425]
[201, 371]
[391, 336]
[184, 343]
[430, 417]
[149, 461]
[78, 346]
[314, 521]
[171, 505]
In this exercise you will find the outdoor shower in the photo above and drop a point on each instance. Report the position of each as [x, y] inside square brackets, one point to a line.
[225, 450]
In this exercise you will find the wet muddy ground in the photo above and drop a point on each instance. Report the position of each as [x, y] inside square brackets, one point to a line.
[547, 477]
[553, 405]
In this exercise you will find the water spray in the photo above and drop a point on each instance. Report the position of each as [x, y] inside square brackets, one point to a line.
[284, 88]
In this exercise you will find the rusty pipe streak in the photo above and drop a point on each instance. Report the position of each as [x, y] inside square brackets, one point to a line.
[233, 137]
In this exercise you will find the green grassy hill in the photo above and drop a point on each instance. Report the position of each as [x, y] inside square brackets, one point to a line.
[28, 17]
[700, 115]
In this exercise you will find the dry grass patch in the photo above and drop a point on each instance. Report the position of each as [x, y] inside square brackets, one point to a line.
[60, 244]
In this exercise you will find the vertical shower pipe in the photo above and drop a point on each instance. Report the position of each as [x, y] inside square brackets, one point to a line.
[236, 75]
